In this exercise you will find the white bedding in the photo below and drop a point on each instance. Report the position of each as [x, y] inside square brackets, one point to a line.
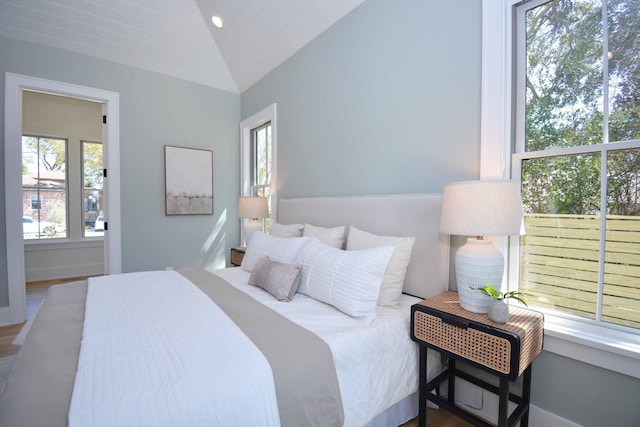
[126, 372]
[376, 363]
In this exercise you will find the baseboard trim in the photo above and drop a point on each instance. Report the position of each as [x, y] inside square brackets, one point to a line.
[63, 272]
[539, 417]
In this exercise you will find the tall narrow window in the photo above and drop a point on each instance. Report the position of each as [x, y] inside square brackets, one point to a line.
[258, 142]
[578, 157]
[93, 189]
[261, 157]
[44, 187]
[261, 160]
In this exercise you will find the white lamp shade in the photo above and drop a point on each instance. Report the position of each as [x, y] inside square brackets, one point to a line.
[481, 208]
[253, 207]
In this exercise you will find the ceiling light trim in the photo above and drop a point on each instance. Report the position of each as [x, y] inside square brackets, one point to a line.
[216, 21]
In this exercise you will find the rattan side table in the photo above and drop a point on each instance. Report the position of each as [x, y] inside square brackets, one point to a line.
[505, 350]
[236, 256]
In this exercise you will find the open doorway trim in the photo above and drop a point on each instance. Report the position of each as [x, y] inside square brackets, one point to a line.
[14, 85]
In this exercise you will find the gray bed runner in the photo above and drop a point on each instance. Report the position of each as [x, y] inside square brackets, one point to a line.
[301, 362]
[39, 388]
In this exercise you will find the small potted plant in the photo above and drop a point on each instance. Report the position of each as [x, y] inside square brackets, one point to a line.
[499, 310]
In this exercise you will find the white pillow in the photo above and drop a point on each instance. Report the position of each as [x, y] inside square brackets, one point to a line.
[281, 249]
[347, 280]
[391, 289]
[333, 237]
[290, 230]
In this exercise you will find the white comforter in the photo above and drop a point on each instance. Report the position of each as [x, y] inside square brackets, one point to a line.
[183, 356]
[376, 363]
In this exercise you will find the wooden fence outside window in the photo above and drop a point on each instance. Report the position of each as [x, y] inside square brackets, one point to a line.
[559, 265]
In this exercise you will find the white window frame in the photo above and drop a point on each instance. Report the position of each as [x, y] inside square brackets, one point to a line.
[609, 348]
[268, 114]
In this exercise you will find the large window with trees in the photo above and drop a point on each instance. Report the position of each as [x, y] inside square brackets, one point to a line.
[577, 154]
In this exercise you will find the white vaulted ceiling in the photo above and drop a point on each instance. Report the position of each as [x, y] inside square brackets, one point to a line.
[176, 37]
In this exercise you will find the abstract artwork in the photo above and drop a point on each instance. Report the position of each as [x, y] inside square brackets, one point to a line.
[188, 181]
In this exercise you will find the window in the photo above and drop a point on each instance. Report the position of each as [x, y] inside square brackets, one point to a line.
[577, 154]
[52, 170]
[261, 160]
[93, 189]
[36, 202]
[258, 154]
[44, 187]
[261, 156]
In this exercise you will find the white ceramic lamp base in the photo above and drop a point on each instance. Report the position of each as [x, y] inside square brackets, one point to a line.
[478, 263]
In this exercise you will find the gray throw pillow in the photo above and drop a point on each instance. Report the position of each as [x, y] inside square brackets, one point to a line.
[279, 279]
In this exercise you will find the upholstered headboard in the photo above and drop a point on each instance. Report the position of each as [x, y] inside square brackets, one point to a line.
[416, 215]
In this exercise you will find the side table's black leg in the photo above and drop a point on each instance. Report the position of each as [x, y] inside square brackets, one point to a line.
[503, 401]
[452, 381]
[422, 388]
[526, 396]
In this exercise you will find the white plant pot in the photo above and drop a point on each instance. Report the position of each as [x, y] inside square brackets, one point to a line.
[499, 311]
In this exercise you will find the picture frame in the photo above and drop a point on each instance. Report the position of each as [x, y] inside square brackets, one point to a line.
[188, 181]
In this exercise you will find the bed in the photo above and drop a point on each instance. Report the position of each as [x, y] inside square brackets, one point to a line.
[327, 356]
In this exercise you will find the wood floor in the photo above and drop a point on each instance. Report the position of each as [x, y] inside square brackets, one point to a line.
[36, 291]
[7, 334]
[436, 418]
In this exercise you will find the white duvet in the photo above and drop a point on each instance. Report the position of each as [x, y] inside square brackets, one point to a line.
[139, 366]
[376, 363]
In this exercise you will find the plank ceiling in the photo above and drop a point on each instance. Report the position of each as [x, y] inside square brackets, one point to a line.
[176, 37]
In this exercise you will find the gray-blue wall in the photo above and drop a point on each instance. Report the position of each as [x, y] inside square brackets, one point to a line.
[388, 101]
[154, 110]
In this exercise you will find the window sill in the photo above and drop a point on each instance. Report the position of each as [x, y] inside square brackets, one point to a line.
[612, 349]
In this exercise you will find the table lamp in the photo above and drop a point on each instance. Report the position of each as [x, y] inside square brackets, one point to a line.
[252, 208]
[480, 208]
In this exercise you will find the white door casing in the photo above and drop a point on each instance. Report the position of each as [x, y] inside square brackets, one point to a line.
[14, 85]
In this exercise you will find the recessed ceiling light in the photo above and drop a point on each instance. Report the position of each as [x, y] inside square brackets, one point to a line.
[217, 21]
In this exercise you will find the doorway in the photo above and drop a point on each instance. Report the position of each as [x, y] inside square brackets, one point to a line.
[62, 187]
[14, 87]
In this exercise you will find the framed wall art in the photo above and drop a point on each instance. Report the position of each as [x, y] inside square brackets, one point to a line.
[188, 181]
